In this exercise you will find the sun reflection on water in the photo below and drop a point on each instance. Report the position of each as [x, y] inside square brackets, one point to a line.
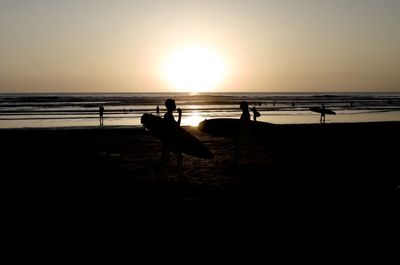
[193, 119]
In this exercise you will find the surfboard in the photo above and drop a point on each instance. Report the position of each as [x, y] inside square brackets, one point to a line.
[319, 110]
[176, 138]
[225, 127]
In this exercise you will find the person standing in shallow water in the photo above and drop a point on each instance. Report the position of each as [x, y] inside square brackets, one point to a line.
[101, 114]
[171, 124]
[243, 135]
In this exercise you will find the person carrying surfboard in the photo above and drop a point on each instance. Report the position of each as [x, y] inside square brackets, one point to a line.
[322, 111]
[170, 122]
[255, 113]
[169, 116]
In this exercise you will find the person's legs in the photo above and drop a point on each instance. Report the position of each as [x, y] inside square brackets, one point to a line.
[237, 151]
[179, 162]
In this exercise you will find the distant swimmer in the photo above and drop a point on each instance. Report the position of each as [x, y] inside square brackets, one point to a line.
[101, 114]
[255, 113]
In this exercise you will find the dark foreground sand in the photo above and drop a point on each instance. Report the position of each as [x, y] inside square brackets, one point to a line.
[305, 193]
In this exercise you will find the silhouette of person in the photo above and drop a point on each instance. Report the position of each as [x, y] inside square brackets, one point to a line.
[322, 119]
[171, 125]
[169, 116]
[255, 113]
[245, 117]
[244, 132]
[101, 113]
[158, 110]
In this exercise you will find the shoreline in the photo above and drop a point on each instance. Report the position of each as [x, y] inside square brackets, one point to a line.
[78, 110]
[112, 127]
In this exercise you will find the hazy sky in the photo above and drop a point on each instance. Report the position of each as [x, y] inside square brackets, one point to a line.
[119, 46]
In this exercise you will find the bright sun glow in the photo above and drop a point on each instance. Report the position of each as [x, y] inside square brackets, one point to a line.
[194, 69]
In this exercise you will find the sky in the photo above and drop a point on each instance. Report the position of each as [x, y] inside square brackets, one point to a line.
[262, 46]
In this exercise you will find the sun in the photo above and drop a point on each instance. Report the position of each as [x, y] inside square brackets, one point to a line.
[194, 69]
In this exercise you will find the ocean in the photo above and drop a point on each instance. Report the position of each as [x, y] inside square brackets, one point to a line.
[125, 109]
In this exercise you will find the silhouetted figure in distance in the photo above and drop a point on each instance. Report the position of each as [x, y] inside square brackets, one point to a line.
[101, 114]
[171, 125]
[243, 135]
[322, 119]
[255, 113]
[158, 110]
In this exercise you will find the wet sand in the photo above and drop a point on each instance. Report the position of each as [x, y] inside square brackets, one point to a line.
[304, 193]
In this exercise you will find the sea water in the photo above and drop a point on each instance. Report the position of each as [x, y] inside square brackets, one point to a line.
[66, 110]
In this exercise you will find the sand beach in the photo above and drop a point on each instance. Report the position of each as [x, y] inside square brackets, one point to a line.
[300, 188]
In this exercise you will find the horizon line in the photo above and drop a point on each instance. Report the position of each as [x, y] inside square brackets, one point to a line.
[210, 92]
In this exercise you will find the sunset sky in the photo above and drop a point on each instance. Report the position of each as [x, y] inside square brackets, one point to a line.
[239, 46]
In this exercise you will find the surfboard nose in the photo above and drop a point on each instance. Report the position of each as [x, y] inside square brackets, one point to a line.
[143, 118]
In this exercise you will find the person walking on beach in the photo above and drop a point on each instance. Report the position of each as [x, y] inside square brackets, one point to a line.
[322, 119]
[101, 113]
[243, 135]
[255, 113]
[171, 124]
[158, 110]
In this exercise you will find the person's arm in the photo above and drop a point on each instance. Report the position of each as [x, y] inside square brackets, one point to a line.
[179, 116]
